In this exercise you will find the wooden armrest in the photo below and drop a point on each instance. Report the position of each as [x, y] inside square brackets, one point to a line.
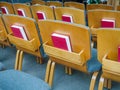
[2, 36]
[72, 57]
[110, 66]
[30, 45]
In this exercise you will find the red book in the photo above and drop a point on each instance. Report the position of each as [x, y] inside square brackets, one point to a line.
[18, 31]
[41, 15]
[61, 41]
[67, 18]
[4, 10]
[21, 12]
[119, 54]
[107, 23]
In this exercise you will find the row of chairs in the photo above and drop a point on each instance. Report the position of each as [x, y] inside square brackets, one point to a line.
[82, 57]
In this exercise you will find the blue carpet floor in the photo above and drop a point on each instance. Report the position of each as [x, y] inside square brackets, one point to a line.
[62, 81]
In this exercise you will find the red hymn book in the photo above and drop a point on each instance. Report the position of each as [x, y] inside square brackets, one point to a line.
[119, 54]
[41, 15]
[61, 41]
[21, 12]
[18, 31]
[107, 23]
[67, 18]
[4, 10]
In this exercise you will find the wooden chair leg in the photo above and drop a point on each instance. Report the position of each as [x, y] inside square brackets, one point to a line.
[66, 69]
[17, 59]
[37, 59]
[48, 71]
[20, 61]
[93, 80]
[109, 84]
[101, 83]
[51, 74]
[105, 83]
[70, 70]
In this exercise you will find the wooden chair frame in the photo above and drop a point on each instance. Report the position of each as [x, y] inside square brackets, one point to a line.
[74, 5]
[107, 55]
[32, 46]
[46, 9]
[76, 59]
[24, 7]
[77, 14]
[54, 3]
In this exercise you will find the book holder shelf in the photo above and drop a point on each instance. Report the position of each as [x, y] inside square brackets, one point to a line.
[8, 6]
[54, 3]
[48, 11]
[80, 47]
[74, 5]
[24, 7]
[108, 56]
[77, 14]
[95, 17]
[99, 6]
[31, 46]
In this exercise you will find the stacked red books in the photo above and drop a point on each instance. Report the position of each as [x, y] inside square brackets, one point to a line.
[41, 15]
[4, 10]
[61, 41]
[18, 31]
[107, 23]
[67, 18]
[21, 12]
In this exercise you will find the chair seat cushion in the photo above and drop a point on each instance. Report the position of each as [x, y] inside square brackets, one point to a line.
[17, 80]
[93, 64]
[1, 67]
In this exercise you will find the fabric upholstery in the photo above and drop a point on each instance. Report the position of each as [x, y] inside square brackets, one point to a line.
[17, 80]
[93, 64]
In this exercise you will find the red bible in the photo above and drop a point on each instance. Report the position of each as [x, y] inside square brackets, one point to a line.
[107, 23]
[41, 15]
[119, 54]
[4, 10]
[67, 18]
[18, 31]
[21, 12]
[61, 41]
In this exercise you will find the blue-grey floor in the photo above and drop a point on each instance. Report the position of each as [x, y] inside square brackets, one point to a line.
[62, 81]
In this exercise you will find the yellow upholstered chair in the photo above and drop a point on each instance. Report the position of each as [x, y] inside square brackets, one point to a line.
[3, 34]
[48, 11]
[8, 7]
[79, 58]
[108, 44]
[54, 3]
[30, 45]
[74, 5]
[99, 6]
[38, 2]
[19, 7]
[95, 17]
[77, 15]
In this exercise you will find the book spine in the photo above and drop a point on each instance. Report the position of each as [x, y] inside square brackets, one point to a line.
[119, 54]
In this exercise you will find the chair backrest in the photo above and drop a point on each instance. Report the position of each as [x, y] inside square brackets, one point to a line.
[108, 42]
[76, 33]
[118, 8]
[54, 3]
[99, 6]
[77, 14]
[95, 17]
[22, 7]
[48, 11]
[3, 33]
[74, 5]
[29, 26]
[38, 2]
[8, 6]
